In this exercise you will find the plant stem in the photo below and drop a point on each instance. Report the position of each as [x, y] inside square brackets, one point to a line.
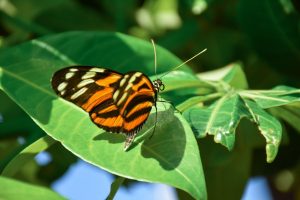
[114, 187]
[197, 99]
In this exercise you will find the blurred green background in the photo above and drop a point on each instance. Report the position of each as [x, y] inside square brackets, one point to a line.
[264, 35]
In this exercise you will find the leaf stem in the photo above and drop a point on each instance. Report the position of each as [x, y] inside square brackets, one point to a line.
[197, 99]
[115, 187]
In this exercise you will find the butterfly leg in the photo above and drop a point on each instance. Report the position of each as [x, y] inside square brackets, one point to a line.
[129, 139]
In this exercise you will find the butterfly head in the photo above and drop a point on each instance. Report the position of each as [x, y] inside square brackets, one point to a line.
[158, 85]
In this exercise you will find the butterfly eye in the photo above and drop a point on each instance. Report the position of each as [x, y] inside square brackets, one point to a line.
[161, 87]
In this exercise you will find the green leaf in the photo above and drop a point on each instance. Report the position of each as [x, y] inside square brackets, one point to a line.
[166, 158]
[220, 119]
[269, 127]
[17, 190]
[26, 155]
[232, 74]
[278, 96]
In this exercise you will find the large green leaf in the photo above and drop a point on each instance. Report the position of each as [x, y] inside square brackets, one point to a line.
[170, 157]
[16, 190]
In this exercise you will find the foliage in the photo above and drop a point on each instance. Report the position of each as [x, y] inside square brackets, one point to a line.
[254, 39]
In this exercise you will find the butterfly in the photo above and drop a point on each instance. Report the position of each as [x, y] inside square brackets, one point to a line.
[117, 103]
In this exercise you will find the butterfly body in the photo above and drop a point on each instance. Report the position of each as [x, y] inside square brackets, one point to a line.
[117, 103]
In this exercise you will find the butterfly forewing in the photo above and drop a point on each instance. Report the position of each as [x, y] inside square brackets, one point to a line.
[115, 102]
[85, 86]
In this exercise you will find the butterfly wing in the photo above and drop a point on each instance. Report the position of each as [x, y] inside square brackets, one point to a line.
[86, 87]
[115, 102]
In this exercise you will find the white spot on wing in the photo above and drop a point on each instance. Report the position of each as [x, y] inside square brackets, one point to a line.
[116, 94]
[132, 79]
[89, 74]
[100, 70]
[79, 93]
[62, 86]
[122, 82]
[62, 92]
[73, 70]
[85, 82]
[69, 75]
[124, 96]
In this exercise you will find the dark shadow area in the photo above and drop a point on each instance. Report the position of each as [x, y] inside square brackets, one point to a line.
[112, 138]
[168, 143]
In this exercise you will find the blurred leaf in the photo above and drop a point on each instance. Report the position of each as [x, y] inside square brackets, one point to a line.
[290, 113]
[26, 155]
[78, 18]
[273, 32]
[232, 74]
[121, 11]
[17, 190]
[24, 25]
[176, 39]
[159, 16]
[40, 58]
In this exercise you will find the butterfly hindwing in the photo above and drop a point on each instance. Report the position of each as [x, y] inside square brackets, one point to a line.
[132, 102]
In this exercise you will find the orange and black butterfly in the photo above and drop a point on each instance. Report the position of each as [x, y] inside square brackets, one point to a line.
[117, 103]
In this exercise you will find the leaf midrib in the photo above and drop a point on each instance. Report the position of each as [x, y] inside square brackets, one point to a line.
[214, 113]
[253, 96]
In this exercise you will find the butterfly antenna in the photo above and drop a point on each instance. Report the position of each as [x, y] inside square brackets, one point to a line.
[184, 62]
[155, 58]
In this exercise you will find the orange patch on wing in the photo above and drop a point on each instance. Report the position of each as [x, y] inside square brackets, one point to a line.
[129, 99]
[109, 122]
[136, 122]
[139, 107]
[108, 80]
[108, 109]
[119, 121]
[144, 80]
[97, 98]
